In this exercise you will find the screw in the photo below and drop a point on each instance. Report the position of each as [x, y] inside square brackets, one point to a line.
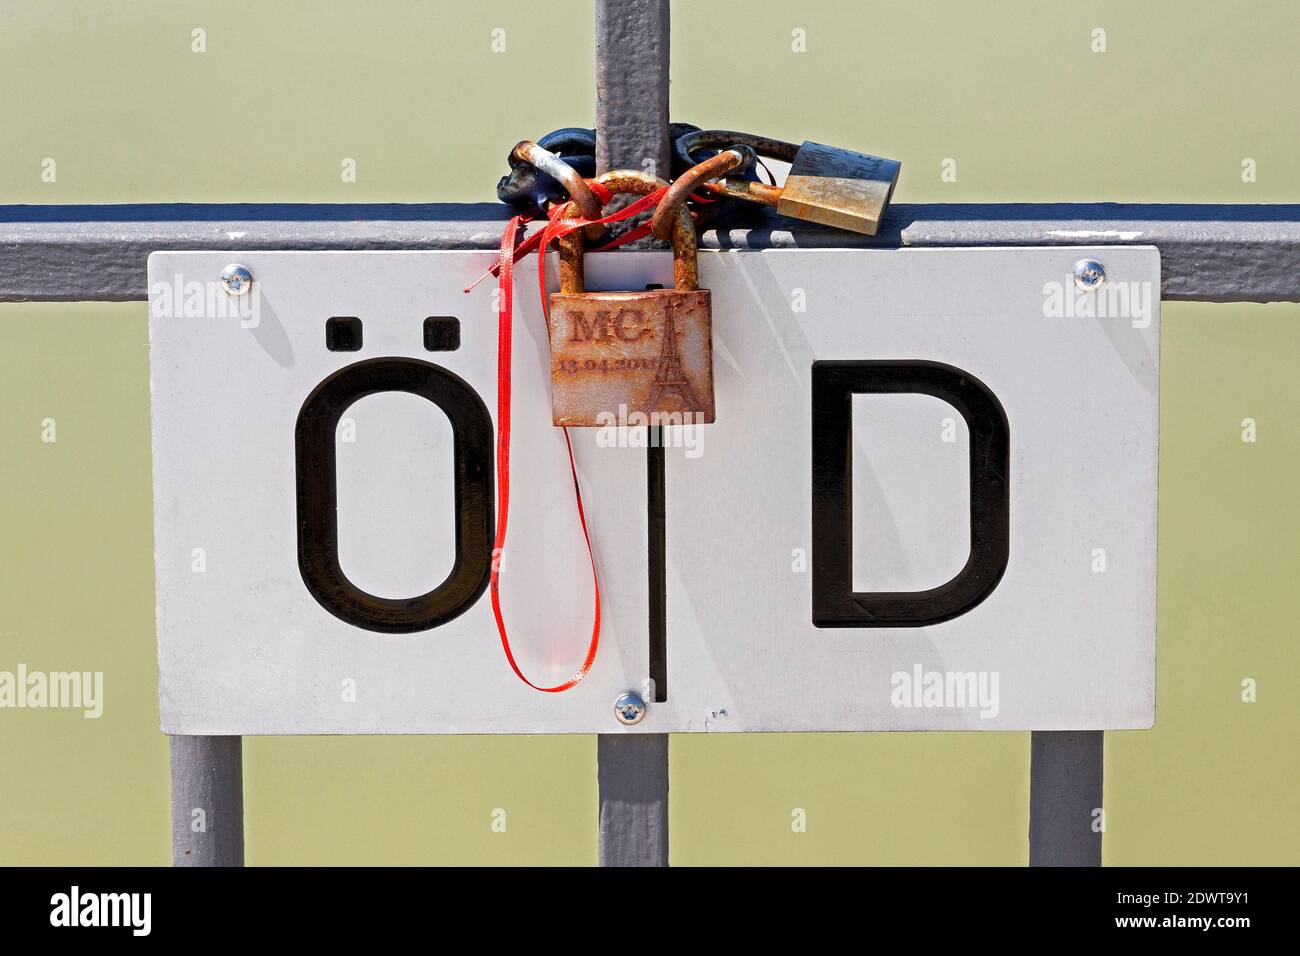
[629, 709]
[1089, 274]
[236, 280]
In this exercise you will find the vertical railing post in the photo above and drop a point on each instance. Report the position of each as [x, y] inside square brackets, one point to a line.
[1065, 786]
[632, 85]
[631, 129]
[633, 781]
[207, 801]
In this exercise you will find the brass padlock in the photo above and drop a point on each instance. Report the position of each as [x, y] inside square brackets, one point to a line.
[826, 184]
[632, 358]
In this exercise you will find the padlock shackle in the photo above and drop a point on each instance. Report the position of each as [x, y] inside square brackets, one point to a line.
[777, 149]
[526, 151]
[688, 143]
[686, 275]
[727, 161]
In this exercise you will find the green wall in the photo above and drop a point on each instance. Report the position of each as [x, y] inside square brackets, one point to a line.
[284, 93]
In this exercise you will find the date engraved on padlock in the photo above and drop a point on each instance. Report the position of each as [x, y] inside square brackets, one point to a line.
[618, 356]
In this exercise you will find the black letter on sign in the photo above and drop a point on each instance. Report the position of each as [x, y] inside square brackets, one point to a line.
[835, 604]
[318, 532]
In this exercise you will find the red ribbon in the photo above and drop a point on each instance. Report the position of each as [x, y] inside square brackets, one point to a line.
[505, 331]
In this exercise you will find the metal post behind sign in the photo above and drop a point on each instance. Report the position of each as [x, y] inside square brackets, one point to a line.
[1065, 812]
[632, 127]
[207, 801]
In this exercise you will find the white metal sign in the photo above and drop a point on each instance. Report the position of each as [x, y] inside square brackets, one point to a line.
[928, 500]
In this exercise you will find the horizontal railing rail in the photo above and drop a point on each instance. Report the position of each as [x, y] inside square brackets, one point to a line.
[1218, 253]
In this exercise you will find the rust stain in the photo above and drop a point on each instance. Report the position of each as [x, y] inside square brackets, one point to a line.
[722, 139]
[661, 224]
[686, 274]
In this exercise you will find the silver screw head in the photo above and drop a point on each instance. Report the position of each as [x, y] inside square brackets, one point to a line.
[236, 280]
[1089, 274]
[629, 709]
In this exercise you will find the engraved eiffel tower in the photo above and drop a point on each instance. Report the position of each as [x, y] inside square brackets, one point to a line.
[671, 377]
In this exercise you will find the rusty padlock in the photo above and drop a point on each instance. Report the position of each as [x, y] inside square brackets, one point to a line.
[634, 358]
[826, 184]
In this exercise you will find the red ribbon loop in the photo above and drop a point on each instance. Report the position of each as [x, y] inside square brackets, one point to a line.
[505, 331]
[562, 221]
